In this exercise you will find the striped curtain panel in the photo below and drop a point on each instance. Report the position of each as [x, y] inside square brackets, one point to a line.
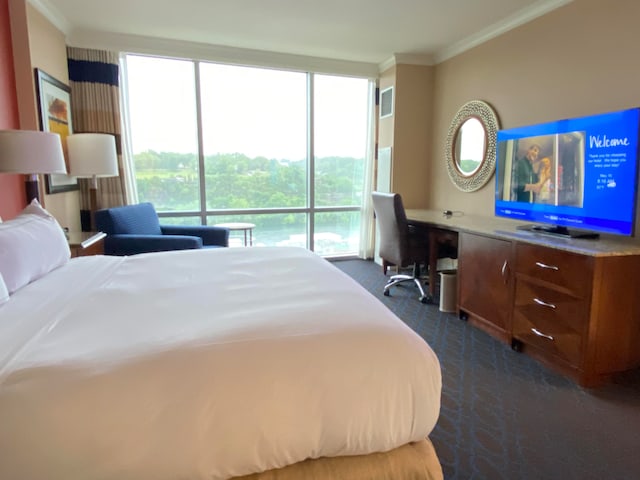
[95, 107]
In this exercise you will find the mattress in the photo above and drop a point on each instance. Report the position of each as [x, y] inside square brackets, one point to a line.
[204, 364]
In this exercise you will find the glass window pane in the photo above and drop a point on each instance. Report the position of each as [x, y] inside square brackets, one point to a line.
[270, 229]
[340, 139]
[254, 135]
[164, 138]
[336, 233]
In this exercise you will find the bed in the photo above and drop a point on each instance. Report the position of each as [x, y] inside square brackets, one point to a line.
[254, 363]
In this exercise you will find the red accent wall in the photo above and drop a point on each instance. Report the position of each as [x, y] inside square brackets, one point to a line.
[12, 192]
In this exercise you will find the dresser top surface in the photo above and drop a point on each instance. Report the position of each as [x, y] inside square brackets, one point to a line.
[606, 245]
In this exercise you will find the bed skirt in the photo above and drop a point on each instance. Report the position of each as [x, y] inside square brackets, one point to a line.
[413, 461]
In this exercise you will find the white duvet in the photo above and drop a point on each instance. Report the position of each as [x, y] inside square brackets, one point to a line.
[204, 364]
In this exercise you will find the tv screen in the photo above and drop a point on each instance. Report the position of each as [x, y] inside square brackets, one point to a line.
[577, 173]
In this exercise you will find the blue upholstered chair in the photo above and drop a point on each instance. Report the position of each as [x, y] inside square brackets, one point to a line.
[136, 229]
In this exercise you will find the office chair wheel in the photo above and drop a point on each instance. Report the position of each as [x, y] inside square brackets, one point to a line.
[425, 299]
[516, 345]
[386, 293]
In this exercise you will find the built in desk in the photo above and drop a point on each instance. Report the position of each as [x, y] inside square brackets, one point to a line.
[573, 304]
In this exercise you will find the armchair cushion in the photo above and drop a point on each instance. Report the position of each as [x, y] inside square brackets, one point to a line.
[211, 236]
[125, 244]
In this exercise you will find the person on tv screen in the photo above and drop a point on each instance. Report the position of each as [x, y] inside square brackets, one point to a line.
[526, 176]
[544, 181]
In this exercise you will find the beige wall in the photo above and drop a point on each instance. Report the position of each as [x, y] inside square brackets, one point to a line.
[407, 132]
[412, 141]
[578, 60]
[48, 51]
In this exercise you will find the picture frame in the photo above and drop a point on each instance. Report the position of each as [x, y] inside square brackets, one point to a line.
[54, 108]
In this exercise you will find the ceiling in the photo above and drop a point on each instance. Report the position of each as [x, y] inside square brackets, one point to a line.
[370, 31]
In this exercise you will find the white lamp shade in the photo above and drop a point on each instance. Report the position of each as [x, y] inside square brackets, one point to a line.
[31, 152]
[92, 155]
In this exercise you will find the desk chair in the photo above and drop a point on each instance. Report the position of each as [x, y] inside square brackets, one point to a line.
[401, 244]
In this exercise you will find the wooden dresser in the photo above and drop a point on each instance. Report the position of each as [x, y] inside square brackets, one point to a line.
[572, 304]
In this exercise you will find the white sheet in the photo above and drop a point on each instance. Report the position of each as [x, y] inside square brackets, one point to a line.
[204, 364]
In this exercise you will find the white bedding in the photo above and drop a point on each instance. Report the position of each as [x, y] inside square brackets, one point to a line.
[204, 364]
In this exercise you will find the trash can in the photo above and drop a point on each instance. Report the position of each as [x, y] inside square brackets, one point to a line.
[448, 291]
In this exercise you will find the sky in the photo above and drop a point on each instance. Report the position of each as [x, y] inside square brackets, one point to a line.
[258, 112]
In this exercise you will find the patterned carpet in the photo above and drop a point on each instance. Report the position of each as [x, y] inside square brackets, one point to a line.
[504, 416]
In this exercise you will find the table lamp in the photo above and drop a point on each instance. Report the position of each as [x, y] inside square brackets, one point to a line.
[92, 155]
[31, 152]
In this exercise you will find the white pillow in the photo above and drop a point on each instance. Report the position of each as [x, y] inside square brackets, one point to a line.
[31, 245]
[4, 293]
[35, 208]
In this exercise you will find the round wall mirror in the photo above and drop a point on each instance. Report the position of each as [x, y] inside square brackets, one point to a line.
[471, 146]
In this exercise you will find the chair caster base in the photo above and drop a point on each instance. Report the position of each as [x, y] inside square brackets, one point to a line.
[516, 345]
[425, 299]
[386, 293]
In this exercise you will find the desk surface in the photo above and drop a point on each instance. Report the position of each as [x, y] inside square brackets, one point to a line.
[606, 245]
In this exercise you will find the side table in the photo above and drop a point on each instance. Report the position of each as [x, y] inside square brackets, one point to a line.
[244, 227]
[83, 244]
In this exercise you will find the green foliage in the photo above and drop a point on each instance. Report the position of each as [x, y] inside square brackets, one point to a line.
[235, 181]
[469, 166]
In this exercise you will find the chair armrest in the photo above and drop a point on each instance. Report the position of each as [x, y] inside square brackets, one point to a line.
[210, 235]
[122, 244]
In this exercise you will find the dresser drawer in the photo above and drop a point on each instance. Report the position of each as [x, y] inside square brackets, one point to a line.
[550, 319]
[569, 270]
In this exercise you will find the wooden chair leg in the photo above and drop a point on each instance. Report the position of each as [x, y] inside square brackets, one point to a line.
[386, 265]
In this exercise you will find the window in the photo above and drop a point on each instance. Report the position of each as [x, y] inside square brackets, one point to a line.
[254, 125]
[284, 150]
[164, 132]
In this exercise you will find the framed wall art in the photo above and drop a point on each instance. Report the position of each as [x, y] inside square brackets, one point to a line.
[54, 107]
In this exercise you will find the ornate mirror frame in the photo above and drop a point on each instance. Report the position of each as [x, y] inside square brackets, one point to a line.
[483, 112]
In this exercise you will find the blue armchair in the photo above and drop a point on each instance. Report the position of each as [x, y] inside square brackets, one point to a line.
[136, 229]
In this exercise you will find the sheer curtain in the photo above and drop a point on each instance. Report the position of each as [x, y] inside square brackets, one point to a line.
[128, 172]
[95, 104]
[367, 220]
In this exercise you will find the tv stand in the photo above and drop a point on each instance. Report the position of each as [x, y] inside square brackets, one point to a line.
[558, 231]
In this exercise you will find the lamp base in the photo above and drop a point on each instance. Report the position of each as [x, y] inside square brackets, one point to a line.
[31, 188]
[85, 220]
[93, 205]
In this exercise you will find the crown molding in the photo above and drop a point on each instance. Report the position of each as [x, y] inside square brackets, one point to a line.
[520, 18]
[538, 9]
[406, 59]
[240, 56]
[125, 43]
[52, 14]
[387, 64]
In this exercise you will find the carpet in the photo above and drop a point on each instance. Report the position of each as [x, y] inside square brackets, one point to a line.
[504, 415]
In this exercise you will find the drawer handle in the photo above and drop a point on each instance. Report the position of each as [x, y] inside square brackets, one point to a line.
[505, 265]
[544, 304]
[549, 267]
[540, 334]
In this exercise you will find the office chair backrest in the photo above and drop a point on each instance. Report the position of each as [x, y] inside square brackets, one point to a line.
[392, 226]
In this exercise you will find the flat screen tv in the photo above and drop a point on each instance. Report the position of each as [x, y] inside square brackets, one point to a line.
[574, 177]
